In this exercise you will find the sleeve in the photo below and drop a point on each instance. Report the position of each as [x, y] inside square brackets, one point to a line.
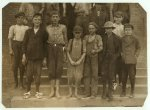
[45, 43]
[65, 34]
[84, 46]
[100, 43]
[25, 42]
[119, 47]
[11, 32]
[69, 45]
[138, 48]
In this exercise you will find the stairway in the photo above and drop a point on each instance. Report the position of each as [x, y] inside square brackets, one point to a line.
[140, 94]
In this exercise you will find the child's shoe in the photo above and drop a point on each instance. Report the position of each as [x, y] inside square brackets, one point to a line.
[38, 95]
[27, 95]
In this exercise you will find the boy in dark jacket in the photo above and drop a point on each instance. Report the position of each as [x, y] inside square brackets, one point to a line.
[111, 51]
[130, 53]
[34, 44]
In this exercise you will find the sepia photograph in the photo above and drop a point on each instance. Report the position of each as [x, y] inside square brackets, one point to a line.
[74, 55]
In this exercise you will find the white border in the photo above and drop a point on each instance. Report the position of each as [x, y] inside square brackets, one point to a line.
[143, 3]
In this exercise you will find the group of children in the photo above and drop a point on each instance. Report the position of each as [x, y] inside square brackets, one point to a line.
[37, 46]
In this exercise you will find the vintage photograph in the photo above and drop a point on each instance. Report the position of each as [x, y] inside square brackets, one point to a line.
[74, 55]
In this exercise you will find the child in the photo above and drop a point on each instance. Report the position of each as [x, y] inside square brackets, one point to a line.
[130, 53]
[119, 31]
[57, 39]
[34, 47]
[111, 51]
[76, 53]
[93, 45]
[15, 36]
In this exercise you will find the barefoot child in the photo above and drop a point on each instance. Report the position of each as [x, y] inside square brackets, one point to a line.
[76, 53]
[57, 40]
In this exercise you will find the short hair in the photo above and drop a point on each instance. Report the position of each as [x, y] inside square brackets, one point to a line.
[128, 26]
[118, 14]
[37, 14]
[54, 13]
[20, 14]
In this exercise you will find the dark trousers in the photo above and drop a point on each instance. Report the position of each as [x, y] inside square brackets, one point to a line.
[128, 70]
[17, 49]
[118, 69]
[34, 68]
[55, 61]
[91, 74]
[108, 75]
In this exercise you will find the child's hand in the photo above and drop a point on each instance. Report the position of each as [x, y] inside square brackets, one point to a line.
[11, 52]
[78, 62]
[72, 63]
[24, 59]
[93, 51]
[44, 62]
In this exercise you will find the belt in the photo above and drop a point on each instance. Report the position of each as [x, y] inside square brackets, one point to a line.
[55, 44]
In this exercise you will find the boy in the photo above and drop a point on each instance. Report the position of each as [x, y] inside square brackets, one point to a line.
[130, 53]
[111, 51]
[93, 46]
[34, 44]
[76, 54]
[119, 31]
[57, 40]
[16, 36]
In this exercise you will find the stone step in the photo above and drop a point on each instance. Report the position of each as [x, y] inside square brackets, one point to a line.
[64, 90]
[64, 80]
[19, 102]
[139, 71]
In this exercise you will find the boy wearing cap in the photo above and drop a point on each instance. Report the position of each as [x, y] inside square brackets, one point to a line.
[76, 51]
[130, 52]
[119, 31]
[34, 47]
[111, 51]
[93, 46]
[16, 36]
[57, 40]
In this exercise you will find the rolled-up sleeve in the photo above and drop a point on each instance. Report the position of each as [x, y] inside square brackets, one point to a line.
[11, 32]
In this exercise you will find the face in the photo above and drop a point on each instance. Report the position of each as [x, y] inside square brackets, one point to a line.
[20, 19]
[128, 31]
[37, 20]
[118, 20]
[55, 18]
[92, 29]
[108, 30]
[77, 35]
